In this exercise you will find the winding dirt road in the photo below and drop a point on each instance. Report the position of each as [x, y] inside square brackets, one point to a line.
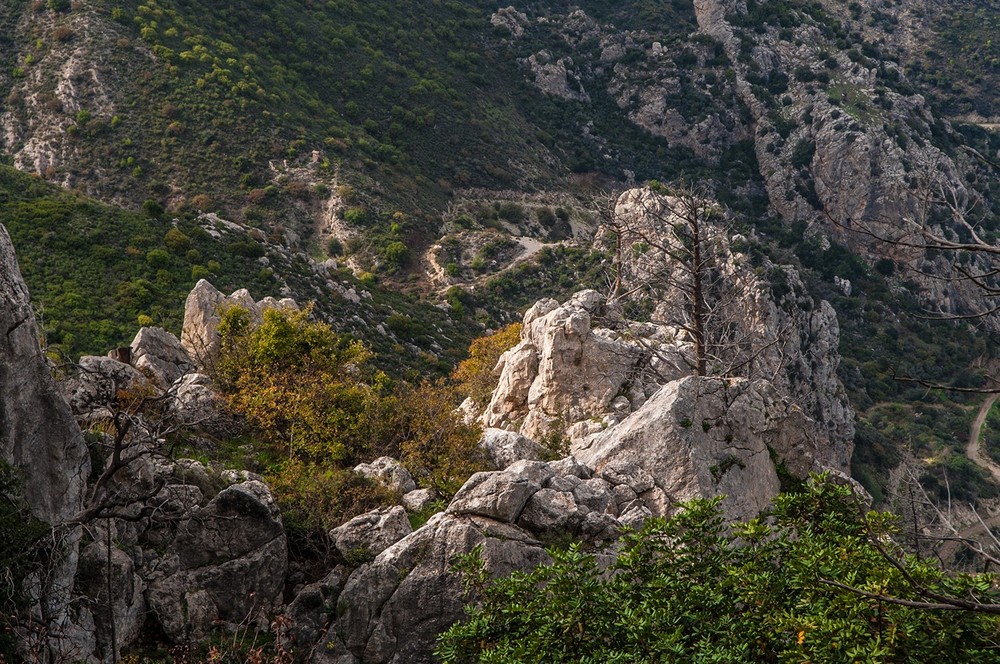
[948, 550]
[974, 448]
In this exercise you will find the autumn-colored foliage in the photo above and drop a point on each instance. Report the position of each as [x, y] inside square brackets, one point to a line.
[308, 392]
[438, 448]
[475, 375]
[317, 407]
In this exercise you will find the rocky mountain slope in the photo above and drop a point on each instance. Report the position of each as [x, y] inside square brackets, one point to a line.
[427, 173]
[150, 544]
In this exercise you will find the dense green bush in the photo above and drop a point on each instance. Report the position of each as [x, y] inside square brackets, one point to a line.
[689, 589]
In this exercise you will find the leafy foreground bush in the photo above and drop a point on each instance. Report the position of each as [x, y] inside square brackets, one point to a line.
[687, 589]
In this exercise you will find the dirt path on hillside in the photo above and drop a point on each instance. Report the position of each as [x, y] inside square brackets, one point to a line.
[948, 551]
[974, 448]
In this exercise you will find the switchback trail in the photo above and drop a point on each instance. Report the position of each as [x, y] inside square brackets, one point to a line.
[974, 449]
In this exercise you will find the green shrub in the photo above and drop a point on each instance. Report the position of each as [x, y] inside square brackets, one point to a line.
[152, 209]
[157, 258]
[691, 589]
[177, 241]
[356, 215]
[396, 254]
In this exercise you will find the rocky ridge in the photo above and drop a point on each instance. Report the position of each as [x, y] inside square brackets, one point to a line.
[193, 549]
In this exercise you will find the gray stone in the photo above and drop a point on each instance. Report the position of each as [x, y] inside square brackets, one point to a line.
[499, 495]
[391, 609]
[312, 610]
[160, 355]
[389, 472]
[419, 499]
[697, 437]
[38, 434]
[203, 312]
[367, 535]
[95, 383]
[127, 601]
[195, 403]
[549, 512]
[225, 565]
[506, 447]
[202, 315]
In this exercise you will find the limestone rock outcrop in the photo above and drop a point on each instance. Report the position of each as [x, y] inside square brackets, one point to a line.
[369, 534]
[38, 433]
[160, 355]
[389, 472]
[505, 447]
[565, 370]
[701, 437]
[582, 367]
[41, 441]
[95, 384]
[390, 609]
[203, 312]
[223, 563]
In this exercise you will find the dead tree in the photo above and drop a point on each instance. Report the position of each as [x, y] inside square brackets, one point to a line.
[672, 261]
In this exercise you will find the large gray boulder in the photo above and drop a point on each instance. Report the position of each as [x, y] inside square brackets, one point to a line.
[94, 387]
[160, 355]
[391, 609]
[704, 437]
[388, 472]
[369, 534]
[225, 565]
[196, 404]
[506, 447]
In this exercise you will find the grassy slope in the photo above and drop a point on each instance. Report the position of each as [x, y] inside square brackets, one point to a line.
[93, 269]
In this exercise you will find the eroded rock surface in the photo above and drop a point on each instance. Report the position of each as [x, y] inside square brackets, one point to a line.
[369, 534]
[224, 563]
[38, 433]
[389, 472]
[160, 355]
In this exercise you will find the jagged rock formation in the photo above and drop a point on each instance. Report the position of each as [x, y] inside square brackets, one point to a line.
[38, 435]
[203, 312]
[581, 367]
[389, 610]
[190, 551]
[564, 372]
[160, 355]
[699, 437]
[40, 439]
[225, 562]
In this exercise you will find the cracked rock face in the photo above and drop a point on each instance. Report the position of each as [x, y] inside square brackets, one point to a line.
[369, 534]
[564, 370]
[697, 437]
[38, 434]
[160, 355]
[226, 563]
[391, 609]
